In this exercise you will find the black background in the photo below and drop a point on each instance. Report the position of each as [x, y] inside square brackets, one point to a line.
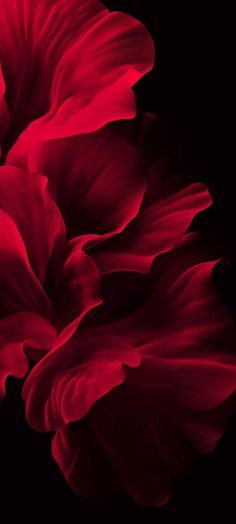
[190, 90]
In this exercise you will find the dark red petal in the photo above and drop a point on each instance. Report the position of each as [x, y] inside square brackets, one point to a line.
[97, 181]
[149, 436]
[20, 290]
[171, 407]
[76, 292]
[178, 400]
[158, 227]
[100, 66]
[73, 377]
[17, 332]
[84, 462]
[169, 205]
[161, 306]
[24, 197]
[2, 85]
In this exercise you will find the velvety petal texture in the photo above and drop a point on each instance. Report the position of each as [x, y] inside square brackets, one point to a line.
[87, 176]
[16, 333]
[84, 371]
[157, 228]
[77, 291]
[20, 289]
[26, 200]
[102, 287]
[174, 398]
[101, 55]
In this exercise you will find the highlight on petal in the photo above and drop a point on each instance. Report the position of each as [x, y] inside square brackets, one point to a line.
[24, 197]
[17, 332]
[73, 377]
[33, 39]
[100, 54]
[102, 186]
[158, 227]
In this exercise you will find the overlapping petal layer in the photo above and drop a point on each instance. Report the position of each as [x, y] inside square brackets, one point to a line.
[97, 181]
[26, 200]
[135, 362]
[16, 333]
[169, 408]
[20, 289]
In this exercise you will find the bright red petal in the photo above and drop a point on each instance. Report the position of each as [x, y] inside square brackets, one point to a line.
[33, 40]
[100, 54]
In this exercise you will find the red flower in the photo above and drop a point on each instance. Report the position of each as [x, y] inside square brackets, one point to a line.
[100, 54]
[98, 286]
[127, 328]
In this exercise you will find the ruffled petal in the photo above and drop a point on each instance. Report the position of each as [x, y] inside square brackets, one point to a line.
[158, 227]
[105, 54]
[24, 197]
[73, 377]
[76, 292]
[160, 305]
[168, 407]
[149, 436]
[176, 403]
[17, 332]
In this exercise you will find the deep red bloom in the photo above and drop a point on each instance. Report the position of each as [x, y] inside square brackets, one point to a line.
[173, 381]
[100, 54]
[134, 378]
[98, 285]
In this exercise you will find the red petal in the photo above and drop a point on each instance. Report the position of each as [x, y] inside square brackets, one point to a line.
[84, 462]
[26, 200]
[171, 407]
[73, 377]
[19, 288]
[4, 116]
[148, 435]
[97, 181]
[100, 65]
[158, 227]
[16, 332]
[77, 291]
[33, 40]
[178, 400]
